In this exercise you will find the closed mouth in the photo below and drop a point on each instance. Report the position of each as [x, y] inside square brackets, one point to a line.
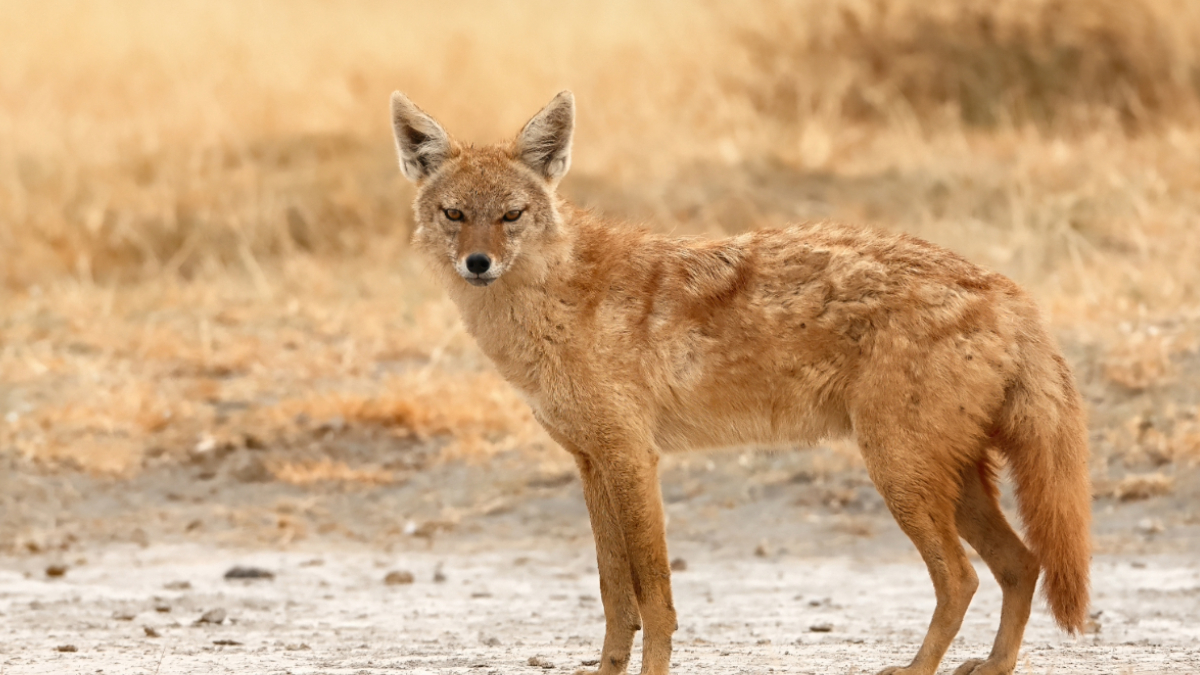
[478, 281]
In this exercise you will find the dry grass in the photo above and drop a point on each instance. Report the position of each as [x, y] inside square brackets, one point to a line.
[1137, 487]
[1051, 62]
[203, 233]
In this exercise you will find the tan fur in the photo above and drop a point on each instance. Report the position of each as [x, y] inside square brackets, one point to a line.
[629, 344]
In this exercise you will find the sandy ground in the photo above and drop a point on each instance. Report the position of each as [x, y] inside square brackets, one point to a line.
[508, 611]
[504, 577]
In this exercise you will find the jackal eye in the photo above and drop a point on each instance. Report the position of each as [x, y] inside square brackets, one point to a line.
[453, 214]
[513, 216]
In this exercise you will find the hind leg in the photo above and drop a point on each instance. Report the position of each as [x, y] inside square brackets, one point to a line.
[982, 524]
[921, 495]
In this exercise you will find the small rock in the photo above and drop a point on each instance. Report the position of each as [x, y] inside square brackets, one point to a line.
[490, 641]
[762, 550]
[150, 632]
[178, 585]
[678, 565]
[161, 607]
[539, 662]
[240, 572]
[252, 469]
[205, 445]
[438, 576]
[296, 647]
[216, 615]
[67, 648]
[1150, 526]
[226, 643]
[590, 662]
[332, 425]
[56, 571]
[820, 627]
[398, 578]
[124, 615]
[428, 529]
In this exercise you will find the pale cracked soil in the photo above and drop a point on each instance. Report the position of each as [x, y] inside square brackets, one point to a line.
[788, 568]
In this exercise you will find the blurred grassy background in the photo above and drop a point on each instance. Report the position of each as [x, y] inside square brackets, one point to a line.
[203, 233]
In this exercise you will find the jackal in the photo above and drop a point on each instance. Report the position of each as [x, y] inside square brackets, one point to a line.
[629, 344]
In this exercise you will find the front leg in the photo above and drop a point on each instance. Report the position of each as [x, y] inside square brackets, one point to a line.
[631, 476]
[616, 579]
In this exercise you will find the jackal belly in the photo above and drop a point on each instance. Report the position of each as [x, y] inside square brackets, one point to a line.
[731, 411]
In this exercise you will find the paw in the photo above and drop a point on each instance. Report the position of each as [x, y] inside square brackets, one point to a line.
[614, 667]
[906, 670]
[968, 668]
[982, 667]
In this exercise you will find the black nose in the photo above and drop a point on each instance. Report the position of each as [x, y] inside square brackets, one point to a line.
[478, 263]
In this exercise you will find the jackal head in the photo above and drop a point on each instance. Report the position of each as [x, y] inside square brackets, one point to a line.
[492, 210]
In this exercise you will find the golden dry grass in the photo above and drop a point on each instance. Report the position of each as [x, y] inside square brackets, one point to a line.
[204, 235]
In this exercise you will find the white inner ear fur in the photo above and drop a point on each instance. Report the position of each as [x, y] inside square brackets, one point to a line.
[421, 143]
[544, 145]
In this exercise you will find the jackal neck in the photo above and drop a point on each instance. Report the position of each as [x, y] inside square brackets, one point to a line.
[518, 320]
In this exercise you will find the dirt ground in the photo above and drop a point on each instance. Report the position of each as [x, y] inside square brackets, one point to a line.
[789, 564]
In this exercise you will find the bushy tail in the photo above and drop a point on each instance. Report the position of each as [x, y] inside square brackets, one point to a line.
[1044, 436]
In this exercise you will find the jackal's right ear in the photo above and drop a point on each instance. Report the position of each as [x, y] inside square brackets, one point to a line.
[421, 142]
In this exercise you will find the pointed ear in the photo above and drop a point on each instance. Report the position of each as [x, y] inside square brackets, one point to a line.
[421, 142]
[545, 143]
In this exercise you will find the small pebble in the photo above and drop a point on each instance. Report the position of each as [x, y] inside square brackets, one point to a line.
[678, 565]
[1150, 526]
[150, 632]
[240, 572]
[55, 571]
[820, 627]
[216, 615]
[539, 662]
[67, 648]
[398, 578]
[124, 615]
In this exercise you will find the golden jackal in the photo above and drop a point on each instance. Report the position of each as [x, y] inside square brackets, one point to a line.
[629, 344]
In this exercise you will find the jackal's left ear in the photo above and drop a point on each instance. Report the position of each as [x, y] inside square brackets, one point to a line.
[545, 143]
[421, 142]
